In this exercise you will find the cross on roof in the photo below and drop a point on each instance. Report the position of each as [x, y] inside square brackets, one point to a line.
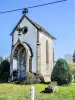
[25, 11]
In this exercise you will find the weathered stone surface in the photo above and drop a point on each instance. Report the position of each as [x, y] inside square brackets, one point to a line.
[52, 87]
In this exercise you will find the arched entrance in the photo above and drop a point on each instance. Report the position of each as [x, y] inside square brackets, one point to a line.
[21, 59]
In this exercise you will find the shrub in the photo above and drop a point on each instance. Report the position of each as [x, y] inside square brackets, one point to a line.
[30, 79]
[61, 72]
[4, 71]
[72, 67]
[18, 81]
[40, 78]
[33, 79]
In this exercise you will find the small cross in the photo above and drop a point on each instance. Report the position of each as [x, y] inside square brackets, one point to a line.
[19, 32]
[25, 11]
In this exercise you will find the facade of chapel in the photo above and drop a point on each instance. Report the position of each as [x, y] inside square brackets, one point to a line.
[32, 49]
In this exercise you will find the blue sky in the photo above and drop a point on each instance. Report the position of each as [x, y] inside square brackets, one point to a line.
[58, 19]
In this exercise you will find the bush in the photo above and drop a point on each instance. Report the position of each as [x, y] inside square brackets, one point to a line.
[72, 67]
[61, 72]
[30, 79]
[4, 71]
[18, 81]
[40, 78]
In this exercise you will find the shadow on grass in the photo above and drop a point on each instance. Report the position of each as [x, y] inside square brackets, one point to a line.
[45, 92]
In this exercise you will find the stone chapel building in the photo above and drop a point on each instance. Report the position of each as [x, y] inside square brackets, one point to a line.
[32, 49]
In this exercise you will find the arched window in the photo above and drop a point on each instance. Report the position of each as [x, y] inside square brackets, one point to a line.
[47, 52]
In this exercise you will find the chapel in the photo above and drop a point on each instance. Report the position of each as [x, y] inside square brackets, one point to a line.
[32, 49]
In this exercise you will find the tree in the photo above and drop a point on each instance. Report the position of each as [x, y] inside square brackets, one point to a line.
[74, 57]
[4, 71]
[61, 72]
[68, 57]
[7, 58]
[1, 59]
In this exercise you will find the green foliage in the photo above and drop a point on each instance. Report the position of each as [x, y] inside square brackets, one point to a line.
[22, 92]
[33, 79]
[61, 72]
[74, 57]
[7, 58]
[72, 67]
[4, 71]
[68, 57]
[1, 59]
[30, 79]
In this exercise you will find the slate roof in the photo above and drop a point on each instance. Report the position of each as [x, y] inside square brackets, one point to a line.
[35, 24]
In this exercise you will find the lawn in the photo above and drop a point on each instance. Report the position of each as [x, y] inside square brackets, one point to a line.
[22, 92]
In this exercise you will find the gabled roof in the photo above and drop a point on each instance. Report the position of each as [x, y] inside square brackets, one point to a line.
[35, 24]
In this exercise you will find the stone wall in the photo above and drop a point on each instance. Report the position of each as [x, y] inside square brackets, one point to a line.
[46, 68]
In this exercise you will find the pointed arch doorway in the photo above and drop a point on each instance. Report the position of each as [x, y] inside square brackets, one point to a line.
[22, 54]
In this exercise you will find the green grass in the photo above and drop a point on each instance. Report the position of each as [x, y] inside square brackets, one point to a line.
[22, 92]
